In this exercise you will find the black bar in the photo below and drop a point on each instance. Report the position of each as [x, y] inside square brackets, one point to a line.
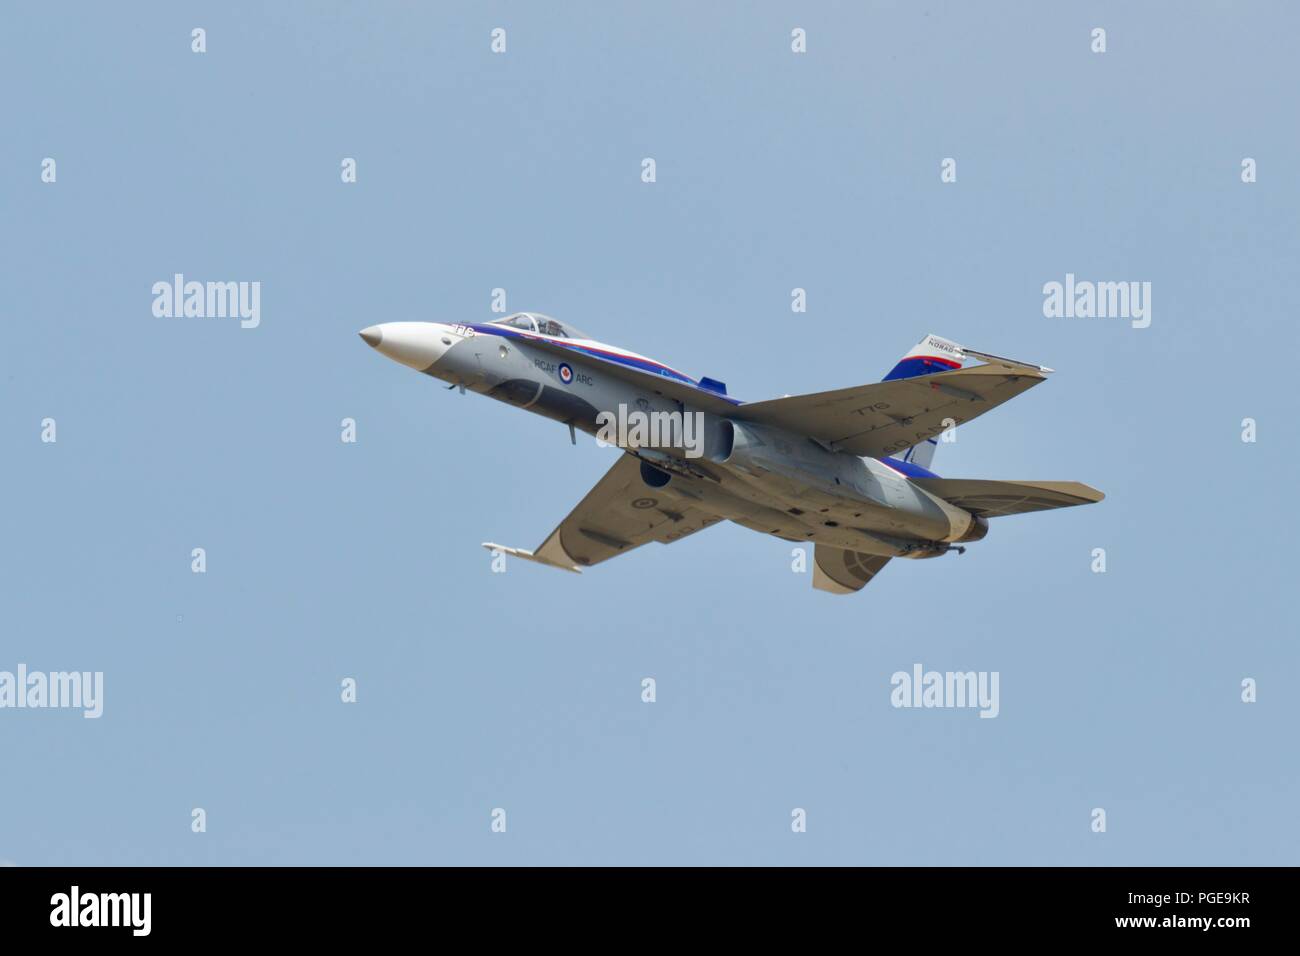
[641, 906]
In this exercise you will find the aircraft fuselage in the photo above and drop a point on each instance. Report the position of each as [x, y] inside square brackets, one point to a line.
[758, 476]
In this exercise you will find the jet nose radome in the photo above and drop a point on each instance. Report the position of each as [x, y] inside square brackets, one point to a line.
[417, 345]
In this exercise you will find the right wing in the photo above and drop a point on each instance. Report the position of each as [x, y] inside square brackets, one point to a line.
[843, 572]
[887, 417]
[619, 514]
[992, 499]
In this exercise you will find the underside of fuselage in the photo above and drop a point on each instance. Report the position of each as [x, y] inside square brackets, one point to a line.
[786, 509]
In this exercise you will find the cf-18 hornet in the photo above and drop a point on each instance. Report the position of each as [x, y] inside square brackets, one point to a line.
[848, 470]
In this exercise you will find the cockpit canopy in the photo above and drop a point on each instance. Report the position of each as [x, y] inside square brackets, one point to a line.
[541, 325]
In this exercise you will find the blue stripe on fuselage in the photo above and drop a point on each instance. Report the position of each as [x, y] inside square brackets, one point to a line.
[641, 365]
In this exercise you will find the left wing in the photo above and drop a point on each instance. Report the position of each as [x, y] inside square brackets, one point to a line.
[992, 499]
[887, 417]
[619, 514]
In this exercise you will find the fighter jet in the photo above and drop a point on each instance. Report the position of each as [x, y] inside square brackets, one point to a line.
[846, 470]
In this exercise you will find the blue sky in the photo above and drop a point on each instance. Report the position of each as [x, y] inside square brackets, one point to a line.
[521, 690]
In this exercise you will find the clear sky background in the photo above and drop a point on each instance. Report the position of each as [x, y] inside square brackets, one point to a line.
[522, 690]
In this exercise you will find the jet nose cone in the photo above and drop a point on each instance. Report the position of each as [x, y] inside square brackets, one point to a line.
[417, 345]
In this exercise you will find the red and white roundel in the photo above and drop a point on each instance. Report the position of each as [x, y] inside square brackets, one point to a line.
[566, 374]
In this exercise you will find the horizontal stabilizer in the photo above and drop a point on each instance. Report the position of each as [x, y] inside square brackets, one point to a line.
[843, 572]
[992, 499]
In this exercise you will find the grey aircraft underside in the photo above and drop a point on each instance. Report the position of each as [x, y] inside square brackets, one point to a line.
[848, 470]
